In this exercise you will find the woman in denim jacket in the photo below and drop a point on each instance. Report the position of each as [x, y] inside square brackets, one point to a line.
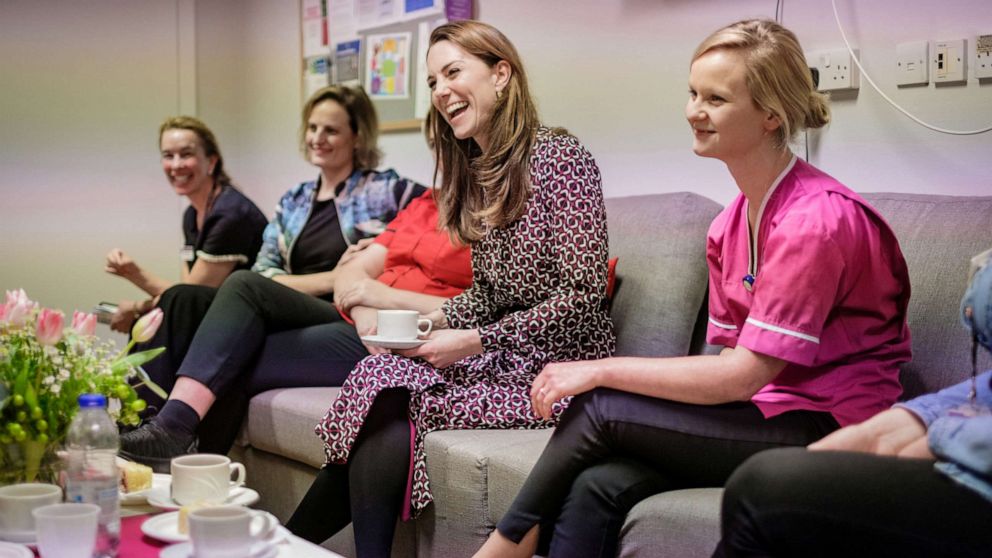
[915, 480]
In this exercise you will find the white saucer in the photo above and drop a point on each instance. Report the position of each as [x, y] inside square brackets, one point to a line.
[160, 498]
[264, 549]
[159, 480]
[165, 527]
[19, 537]
[14, 550]
[377, 341]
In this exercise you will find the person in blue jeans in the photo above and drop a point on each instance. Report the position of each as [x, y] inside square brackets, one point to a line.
[915, 480]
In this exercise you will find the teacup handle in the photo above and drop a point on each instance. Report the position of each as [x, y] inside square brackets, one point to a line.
[424, 332]
[240, 477]
[269, 524]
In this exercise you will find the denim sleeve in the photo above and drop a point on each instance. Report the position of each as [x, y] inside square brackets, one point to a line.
[965, 441]
[932, 406]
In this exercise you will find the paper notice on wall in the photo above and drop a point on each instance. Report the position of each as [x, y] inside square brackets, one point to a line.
[347, 65]
[342, 20]
[376, 13]
[387, 66]
[422, 102]
[316, 75]
[314, 16]
[455, 10]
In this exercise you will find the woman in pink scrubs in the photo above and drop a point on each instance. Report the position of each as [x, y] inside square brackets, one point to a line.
[808, 295]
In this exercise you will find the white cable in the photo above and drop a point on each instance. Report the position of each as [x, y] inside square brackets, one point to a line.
[890, 101]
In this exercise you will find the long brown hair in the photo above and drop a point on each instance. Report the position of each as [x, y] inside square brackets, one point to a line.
[776, 74]
[207, 139]
[491, 189]
[361, 117]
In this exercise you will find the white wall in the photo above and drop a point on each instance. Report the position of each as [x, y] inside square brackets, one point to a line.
[85, 85]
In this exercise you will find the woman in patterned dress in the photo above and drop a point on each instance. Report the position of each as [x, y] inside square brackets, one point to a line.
[528, 200]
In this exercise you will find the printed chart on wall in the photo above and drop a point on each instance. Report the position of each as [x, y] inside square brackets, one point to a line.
[378, 44]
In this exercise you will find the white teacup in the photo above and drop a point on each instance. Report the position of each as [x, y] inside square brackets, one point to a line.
[204, 477]
[401, 324]
[16, 503]
[228, 531]
[66, 530]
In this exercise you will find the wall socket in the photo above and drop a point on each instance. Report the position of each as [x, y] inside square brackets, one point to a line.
[949, 61]
[983, 57]
[913, 63]
[837, 69]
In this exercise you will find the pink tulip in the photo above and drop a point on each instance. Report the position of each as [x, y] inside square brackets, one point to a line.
[18, 297]
[50, 324]
[84, 323]
[145, 328]
[17, 309]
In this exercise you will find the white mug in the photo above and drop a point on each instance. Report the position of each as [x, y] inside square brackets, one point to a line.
[16, 503]
[204, 477]
[229, 531]
[66, 530]
[401, 324]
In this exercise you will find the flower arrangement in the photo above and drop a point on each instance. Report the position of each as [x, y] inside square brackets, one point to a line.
[45, 366]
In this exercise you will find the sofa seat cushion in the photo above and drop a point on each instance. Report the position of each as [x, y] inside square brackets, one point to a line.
[682, 522]
[281, 421]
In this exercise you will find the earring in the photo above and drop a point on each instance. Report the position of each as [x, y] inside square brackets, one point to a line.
[499, 93]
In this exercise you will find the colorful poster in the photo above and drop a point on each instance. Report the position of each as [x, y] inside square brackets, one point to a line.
[317, 74]
[387, 67]
[458, 9]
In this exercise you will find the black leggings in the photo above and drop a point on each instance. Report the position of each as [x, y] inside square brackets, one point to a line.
[793, 502]
[613, 449]
[369, 490]
[251, 335]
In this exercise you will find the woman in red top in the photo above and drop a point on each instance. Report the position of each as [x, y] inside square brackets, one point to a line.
[411, 266]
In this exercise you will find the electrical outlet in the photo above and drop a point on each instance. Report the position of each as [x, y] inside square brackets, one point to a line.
[837, 70]
[983, 57]
[949, 61]
[913, 63]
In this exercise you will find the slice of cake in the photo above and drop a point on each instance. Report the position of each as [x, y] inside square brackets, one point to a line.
[184, 515]
[134, 477]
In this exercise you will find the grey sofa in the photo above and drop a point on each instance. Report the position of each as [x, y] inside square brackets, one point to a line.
[659, 310]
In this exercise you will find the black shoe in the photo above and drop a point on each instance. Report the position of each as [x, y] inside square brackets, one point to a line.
[155, 446]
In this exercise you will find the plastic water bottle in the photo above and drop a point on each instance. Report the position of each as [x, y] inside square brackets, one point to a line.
[92, 476]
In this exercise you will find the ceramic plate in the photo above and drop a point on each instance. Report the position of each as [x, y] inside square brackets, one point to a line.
[14, 550]
[267, 549]
[376, 341]
[159, 480]
[160, 498]
[164, 527]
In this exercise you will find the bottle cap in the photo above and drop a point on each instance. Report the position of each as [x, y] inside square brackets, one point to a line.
[92, 400]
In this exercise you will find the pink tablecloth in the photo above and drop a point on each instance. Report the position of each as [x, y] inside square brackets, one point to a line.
[134, 544]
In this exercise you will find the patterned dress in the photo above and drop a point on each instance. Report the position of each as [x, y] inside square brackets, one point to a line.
[538, 296]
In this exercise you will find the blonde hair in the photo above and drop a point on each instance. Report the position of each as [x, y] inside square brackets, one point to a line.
[361, 117]
[776, 74]
[492, 188]
[207, 140]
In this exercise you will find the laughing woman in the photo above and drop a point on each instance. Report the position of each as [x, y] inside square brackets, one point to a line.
[808, 292]
[528, 200]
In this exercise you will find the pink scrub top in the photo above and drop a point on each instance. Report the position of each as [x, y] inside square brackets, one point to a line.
[824, 287]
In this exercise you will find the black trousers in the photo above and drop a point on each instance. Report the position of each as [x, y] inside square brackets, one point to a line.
[793, 502]
[254, 335]
[369, 490]
[613, 449]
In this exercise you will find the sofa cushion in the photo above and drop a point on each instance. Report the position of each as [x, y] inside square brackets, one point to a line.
[677, 523]
[281, 421]
[938, 236]
[661, 242]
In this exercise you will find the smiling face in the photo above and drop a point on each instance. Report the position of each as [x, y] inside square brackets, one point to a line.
[186, 165]
[329, 140]
[726, 122]
[464, 89]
